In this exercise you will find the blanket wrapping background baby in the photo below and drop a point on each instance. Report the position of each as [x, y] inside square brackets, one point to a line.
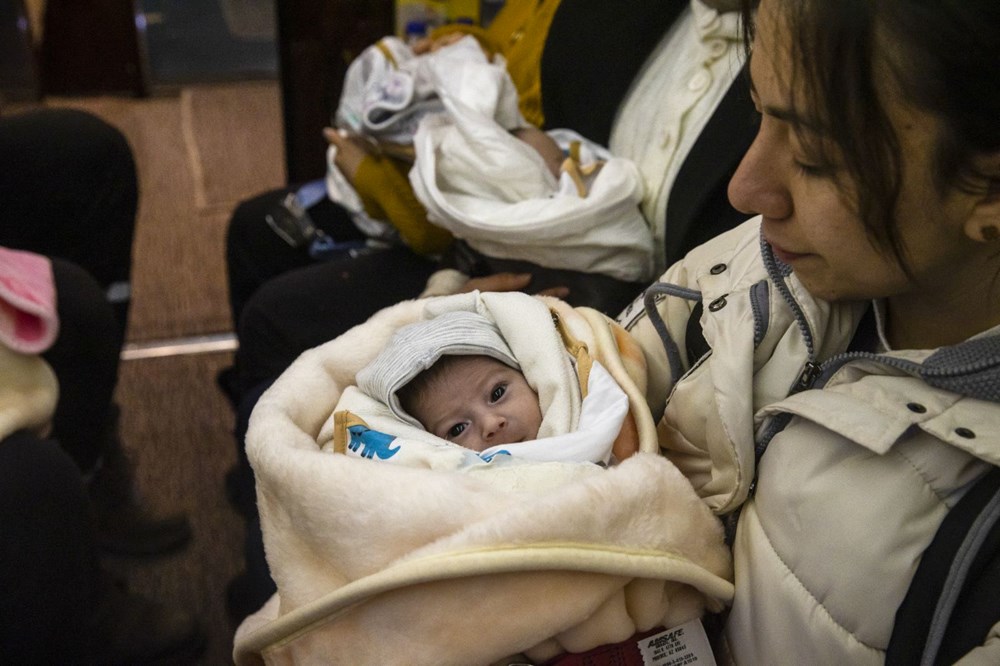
[29, 324]
[456, 107]
[379, 563]
[494, 191]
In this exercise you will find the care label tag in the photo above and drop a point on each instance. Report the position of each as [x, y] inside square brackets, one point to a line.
[684, 644]
[635, 310]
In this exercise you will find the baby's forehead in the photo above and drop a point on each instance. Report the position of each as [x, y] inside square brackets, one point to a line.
[468, 362]
[459, 372]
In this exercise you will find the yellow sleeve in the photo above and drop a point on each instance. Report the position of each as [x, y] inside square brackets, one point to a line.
[385, 191]
[520, 36]
[480, 34]
[518, 32]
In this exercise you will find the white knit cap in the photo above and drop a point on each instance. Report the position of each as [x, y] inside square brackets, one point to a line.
[416, 347]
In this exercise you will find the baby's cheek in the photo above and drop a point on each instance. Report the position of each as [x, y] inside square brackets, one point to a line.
[537, 421]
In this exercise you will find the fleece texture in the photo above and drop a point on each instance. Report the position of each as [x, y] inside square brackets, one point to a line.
[378, 563]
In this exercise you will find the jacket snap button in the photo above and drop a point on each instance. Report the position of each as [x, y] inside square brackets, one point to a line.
[916, 408]
[965, 432]
[717, 304]
[718, 268]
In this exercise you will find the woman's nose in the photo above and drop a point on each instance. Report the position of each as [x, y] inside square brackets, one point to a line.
[757, 186]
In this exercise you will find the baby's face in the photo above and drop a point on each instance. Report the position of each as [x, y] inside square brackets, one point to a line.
[479, 402]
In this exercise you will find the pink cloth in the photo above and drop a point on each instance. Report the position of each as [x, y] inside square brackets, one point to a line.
[28, 320]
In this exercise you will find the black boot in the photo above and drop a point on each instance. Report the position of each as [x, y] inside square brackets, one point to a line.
[124, 524]
[130, 629]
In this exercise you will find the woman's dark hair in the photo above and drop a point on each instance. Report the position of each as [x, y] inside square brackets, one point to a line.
[944, 56]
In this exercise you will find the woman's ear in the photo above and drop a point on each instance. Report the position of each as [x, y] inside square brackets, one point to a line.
[983, 223]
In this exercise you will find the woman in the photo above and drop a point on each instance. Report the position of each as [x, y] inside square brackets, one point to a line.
[875, 174]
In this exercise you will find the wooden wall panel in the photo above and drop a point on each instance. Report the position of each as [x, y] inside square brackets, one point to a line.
[316, 42]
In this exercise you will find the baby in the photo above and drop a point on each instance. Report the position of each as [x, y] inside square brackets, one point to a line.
[475, 401]
[456, 377]
[433, 149]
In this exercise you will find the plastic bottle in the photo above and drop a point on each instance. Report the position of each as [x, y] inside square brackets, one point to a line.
[415, 31]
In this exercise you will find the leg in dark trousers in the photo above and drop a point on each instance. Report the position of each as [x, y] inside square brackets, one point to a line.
[248, 591]
[58, 606]
[85, 359]
[48, 563]
[69, 190]
[255, 253]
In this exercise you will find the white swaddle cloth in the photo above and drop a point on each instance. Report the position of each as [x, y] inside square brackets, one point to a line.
[388, 90]
[457, 107]
[496, 192]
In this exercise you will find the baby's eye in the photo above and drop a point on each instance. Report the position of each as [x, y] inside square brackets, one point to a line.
[498, 392]
[456, 430]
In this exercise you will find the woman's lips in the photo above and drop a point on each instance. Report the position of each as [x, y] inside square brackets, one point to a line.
[786, 256]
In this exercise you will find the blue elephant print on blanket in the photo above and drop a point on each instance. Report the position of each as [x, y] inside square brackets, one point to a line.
[371, 442]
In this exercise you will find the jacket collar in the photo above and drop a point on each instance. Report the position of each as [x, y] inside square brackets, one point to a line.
[970, 368]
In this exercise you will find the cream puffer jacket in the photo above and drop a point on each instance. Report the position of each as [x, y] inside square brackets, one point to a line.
[841, 466]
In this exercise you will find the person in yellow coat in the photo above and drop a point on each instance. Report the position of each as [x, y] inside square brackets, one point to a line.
[380, 176]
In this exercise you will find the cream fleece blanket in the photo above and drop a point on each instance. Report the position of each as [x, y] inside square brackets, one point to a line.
[379, 563]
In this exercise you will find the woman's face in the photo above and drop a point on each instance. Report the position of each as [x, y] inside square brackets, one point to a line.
[808, 215]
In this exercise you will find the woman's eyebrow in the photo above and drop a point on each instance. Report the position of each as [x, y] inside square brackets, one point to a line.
[791, 117]
[783, 113]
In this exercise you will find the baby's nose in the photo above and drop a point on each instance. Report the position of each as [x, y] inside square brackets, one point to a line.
[494, 426]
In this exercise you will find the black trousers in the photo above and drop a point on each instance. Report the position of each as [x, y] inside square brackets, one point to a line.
[50, 583]
[283, 302]
[69, 192]
[85, 359]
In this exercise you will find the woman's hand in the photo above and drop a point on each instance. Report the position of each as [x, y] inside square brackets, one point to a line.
[509, 282]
